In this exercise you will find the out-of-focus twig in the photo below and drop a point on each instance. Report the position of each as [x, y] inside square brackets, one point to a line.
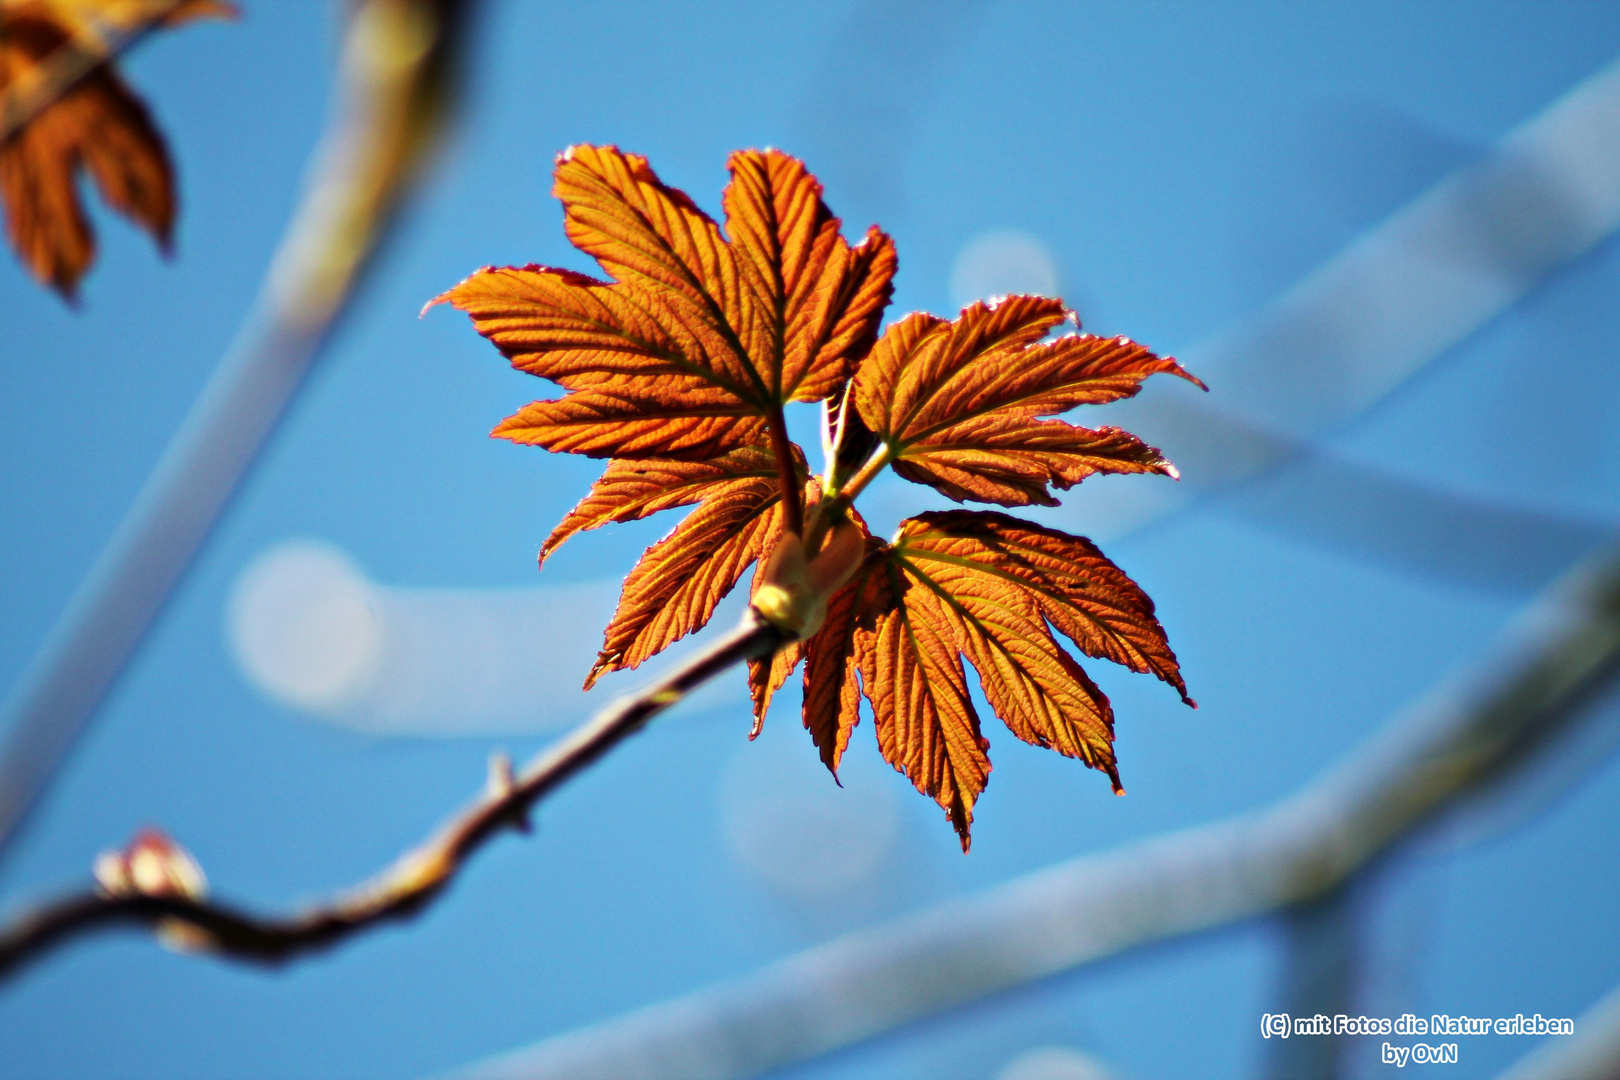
[1475, 728]
[1318, 975]
[1366, 321]
[1592, 1053]
[400, 70]
[418, 876]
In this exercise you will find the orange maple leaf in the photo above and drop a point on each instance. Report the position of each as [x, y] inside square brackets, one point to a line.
[698, 343]
[97, 124]
[957, 401]
[678, 371]
[634, 488]
[990, 587]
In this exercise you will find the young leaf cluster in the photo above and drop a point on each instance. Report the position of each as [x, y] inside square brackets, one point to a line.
[677, 368]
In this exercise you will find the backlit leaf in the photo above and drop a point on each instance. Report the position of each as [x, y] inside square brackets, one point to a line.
[677, 368]
[697, 338]
[633, 489]
[988, 587]
[911, 671]
[824, 297]
[831, 692]
[680, 580]
[1078, 589]
[958, 401]
[617, 422]
[766, 677]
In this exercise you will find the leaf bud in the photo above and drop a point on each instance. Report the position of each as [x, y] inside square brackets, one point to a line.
[152, 865]
[793, 596]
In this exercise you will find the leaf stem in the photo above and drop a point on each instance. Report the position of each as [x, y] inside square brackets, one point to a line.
[868, 472]
[787, 475]
[418, 876]
[829, 511]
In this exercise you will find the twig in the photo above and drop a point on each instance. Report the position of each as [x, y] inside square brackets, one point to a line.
[1320, 955]
[417, 877]
[399, 73]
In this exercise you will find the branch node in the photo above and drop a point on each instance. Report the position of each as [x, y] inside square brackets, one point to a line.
[502, 786]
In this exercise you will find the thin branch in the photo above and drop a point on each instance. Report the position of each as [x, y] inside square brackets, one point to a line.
[72, 63]
[830, 511]
[400, 70]
[417, 877]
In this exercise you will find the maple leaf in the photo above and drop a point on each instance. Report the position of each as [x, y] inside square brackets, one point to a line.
[98, 125]
[989, 587]
[766, 677]
[699, 341]
[957, 402]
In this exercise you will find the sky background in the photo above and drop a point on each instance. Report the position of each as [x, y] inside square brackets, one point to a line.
[1182, 164]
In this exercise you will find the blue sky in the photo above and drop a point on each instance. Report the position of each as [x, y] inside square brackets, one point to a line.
[1182, 162]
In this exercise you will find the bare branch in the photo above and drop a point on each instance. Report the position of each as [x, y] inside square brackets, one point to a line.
[418, 876]
[399, 74]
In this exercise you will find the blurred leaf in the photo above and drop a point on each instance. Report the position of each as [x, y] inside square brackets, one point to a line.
[97, 124]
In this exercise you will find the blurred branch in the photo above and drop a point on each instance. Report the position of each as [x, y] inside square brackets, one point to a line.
[1475, 728]
[1318, 962]
[1592, 1053]
[1431, 274]
[72, 63]
[1370, 513]
[1341, 339]
[417, 877]
[399, 73]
